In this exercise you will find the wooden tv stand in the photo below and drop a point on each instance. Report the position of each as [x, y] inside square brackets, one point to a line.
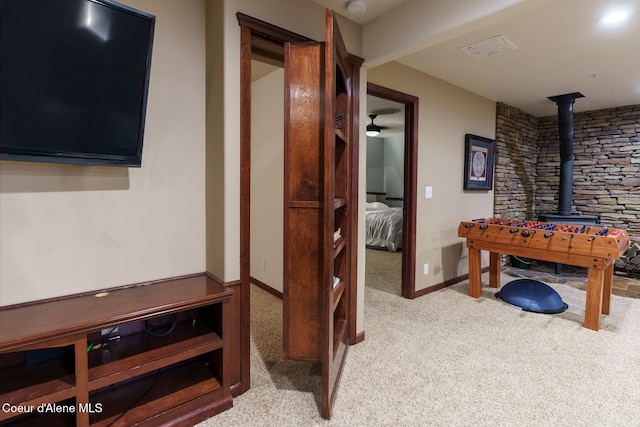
[62, 362]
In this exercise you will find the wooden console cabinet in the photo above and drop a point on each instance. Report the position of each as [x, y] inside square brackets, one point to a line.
[153, 354]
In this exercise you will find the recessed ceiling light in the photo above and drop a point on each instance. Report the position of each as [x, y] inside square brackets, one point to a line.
[615, 16]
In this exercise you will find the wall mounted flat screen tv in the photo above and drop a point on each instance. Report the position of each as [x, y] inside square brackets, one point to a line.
[74, 79]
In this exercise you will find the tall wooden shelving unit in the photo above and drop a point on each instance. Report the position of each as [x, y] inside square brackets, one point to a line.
[317, 213]
[337, 208]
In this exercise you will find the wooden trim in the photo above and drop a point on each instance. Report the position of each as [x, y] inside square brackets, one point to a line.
[269, 31]
[410, 182]
[355, 63]
[276, 293]
[359, 338]
[444, 284]
[245, 206]
[220, 281]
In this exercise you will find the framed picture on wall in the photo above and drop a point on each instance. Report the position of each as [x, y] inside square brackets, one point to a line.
[478, 163]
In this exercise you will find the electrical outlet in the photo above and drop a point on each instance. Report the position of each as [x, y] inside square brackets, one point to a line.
[426, 268]
[264, 264]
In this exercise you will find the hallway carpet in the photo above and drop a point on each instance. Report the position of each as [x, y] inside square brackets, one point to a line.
[447, 359]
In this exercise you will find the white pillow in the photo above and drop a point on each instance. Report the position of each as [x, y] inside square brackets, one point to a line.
[376, 206]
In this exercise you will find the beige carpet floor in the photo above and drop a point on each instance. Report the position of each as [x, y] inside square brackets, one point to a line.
[446, 359]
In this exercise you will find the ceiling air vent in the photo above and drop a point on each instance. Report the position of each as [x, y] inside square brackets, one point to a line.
[489, 47]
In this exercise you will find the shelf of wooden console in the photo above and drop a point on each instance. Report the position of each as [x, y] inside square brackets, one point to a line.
[50, 381]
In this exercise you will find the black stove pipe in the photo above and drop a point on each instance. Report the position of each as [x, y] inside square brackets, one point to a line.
[565, 129]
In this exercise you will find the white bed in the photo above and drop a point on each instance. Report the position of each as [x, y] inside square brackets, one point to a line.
[384, 226]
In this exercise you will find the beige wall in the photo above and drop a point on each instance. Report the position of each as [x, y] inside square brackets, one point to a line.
[66, 229]
[446, 114]
[216, 178]
[267, 179]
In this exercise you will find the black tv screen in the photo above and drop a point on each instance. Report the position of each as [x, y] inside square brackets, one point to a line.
[74, 79]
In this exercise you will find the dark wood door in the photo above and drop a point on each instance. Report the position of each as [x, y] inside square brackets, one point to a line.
[318, 216]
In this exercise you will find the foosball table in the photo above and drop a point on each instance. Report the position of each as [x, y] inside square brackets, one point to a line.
[593, 247]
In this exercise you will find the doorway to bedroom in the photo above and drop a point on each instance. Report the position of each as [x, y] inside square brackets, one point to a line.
[391, 190]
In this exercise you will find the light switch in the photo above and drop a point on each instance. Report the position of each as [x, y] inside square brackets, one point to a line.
[428, 192]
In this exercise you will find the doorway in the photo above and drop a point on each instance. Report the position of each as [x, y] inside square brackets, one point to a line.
[267, 164]
[384, 102]
[261, 39]
[265, 42]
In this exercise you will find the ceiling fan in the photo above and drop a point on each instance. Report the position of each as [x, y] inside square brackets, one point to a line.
[372, 128]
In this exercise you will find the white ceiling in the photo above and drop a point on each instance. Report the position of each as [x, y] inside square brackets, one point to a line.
[561, 48]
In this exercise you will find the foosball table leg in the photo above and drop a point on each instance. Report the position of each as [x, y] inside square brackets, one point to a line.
[475, 267]
[593, 306]
[494, 270]
[608, 287]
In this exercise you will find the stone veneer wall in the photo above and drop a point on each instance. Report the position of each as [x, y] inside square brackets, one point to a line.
[515, 175]
[606, 169]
